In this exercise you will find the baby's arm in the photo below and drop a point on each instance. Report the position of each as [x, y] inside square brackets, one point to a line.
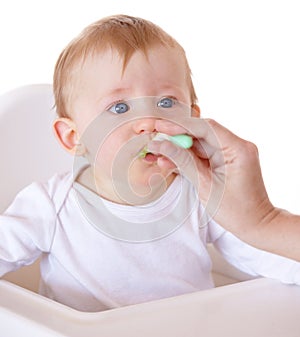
[26, 228]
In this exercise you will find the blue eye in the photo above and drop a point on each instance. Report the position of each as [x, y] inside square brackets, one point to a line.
[166, 102]
[119, 108]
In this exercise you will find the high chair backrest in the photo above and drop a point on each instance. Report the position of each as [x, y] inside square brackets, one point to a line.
[29, 150]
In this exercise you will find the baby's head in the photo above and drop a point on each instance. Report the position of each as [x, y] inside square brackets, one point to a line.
[111, 62]
[121, 34]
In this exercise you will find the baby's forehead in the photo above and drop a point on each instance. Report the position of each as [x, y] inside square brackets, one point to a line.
[123, 56]
[117, 59]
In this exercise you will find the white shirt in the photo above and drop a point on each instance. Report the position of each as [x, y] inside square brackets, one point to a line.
[86, 269]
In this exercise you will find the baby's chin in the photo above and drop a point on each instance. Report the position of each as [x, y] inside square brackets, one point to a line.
[151, 183]
[141, 182]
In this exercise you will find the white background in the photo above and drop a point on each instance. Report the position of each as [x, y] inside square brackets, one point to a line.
[245, 58]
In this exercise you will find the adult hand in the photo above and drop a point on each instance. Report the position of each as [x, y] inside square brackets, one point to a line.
[226, 171]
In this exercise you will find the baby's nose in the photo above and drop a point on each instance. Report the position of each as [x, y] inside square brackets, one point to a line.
[144, 125]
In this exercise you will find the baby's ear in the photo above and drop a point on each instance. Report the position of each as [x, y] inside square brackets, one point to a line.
[66, 133]
[196, 112]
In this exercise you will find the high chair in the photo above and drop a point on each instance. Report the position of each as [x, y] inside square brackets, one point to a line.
[31, 153]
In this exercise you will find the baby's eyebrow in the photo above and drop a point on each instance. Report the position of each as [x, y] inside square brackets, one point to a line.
[118, 91]
[113, 95]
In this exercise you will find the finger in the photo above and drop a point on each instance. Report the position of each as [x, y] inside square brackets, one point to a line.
[214, 134]
[186, 162]
[208, 186]
[200, 147]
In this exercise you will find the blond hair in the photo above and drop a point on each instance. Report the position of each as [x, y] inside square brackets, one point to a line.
[122, 33]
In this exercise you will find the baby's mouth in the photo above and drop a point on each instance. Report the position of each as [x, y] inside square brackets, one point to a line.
[144, 152]
[147, 155]
[151, 158]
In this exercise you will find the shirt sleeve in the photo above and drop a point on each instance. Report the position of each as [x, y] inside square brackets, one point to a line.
[27, 228]
[254, 261]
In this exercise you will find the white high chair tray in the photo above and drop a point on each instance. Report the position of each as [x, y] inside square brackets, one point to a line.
[257, 308]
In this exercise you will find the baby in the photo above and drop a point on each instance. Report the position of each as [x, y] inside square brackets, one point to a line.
[123, 227]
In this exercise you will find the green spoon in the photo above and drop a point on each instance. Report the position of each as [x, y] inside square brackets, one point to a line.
[181, 140]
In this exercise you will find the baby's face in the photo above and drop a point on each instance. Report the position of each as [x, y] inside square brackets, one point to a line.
[107, 91]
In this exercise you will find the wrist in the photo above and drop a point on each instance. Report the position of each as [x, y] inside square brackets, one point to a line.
[279, 233]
